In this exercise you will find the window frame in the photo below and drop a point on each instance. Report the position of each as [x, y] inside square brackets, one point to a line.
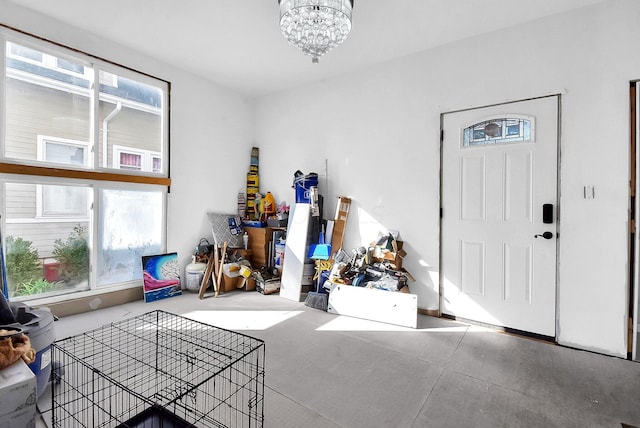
[41, 190]
[146, 157]
[45, 215]
[43, 140]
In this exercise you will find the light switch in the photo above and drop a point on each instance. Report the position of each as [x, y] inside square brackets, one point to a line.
[589, 192]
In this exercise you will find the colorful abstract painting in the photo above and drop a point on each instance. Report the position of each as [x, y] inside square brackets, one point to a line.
[161, 276]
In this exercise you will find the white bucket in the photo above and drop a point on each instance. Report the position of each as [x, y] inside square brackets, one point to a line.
[194, 273]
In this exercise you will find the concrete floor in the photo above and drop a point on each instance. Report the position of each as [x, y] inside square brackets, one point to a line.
[324, 370]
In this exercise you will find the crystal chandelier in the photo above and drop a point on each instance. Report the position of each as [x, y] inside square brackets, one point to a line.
[315, 26]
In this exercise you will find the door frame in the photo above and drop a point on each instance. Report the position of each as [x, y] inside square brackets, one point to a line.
[633, 235]
[558, 97]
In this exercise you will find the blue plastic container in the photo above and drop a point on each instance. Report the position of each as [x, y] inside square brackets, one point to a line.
[303, 185]
[38, 325]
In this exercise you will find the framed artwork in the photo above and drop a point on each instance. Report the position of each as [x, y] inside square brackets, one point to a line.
[161, 276]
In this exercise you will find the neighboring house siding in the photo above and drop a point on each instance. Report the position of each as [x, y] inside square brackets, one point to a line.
[43, 235]
[21, 201]
[132, 128]
[22, 220]
[130, 125]
[51, 112]
[55, 113]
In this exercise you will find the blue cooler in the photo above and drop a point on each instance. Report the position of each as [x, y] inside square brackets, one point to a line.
[38, 325]
[303, 185]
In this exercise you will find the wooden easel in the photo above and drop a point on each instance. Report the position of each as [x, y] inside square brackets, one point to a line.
[207, 274]
[213, 270]
[219, 279]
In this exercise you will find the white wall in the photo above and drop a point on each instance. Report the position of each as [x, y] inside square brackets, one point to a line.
[211, 140]
[211, 131]
[379, 128]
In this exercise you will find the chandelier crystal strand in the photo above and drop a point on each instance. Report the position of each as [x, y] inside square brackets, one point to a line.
[315, 26]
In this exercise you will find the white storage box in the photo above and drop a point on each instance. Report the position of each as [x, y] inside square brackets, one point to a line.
[18, 392]
[375, 305]
[24, 418]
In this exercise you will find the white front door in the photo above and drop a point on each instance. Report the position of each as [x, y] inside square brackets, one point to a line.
[499, 168]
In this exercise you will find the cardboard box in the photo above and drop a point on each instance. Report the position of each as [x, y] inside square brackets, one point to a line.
[269, 286]
[250, 285]
[340, 223]
[18, 391]
[393, 255]
[258, 236]
[237, 283]
[259, 243]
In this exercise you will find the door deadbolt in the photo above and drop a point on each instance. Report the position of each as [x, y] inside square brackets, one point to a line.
[547, 213]
[545, 235]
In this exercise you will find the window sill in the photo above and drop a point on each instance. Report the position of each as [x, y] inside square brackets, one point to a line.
[9, 168]
[90, 300]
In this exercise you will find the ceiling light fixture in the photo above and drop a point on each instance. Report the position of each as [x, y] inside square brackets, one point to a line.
[315, 26]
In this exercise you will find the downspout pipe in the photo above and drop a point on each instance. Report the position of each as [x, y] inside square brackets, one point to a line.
[105, 133]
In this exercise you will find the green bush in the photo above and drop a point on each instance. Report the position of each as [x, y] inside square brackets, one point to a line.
[23, 263]
[73, 255]
[36, 286]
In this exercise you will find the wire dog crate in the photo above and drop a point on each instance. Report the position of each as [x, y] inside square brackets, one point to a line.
[158, 370]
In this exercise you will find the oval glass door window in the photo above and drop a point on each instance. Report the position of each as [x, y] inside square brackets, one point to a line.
[500, 130]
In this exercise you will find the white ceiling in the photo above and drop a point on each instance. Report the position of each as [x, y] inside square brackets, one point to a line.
[237, 43]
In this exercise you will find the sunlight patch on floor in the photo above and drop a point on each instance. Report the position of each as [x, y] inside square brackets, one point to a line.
[242, 320]
[344, 323]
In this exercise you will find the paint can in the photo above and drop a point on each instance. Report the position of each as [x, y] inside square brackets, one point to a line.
[308, 271]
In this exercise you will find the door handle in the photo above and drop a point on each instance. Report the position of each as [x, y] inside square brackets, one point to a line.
[545, 235]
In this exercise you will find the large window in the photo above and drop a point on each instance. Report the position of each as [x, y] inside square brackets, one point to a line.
[83, 168]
